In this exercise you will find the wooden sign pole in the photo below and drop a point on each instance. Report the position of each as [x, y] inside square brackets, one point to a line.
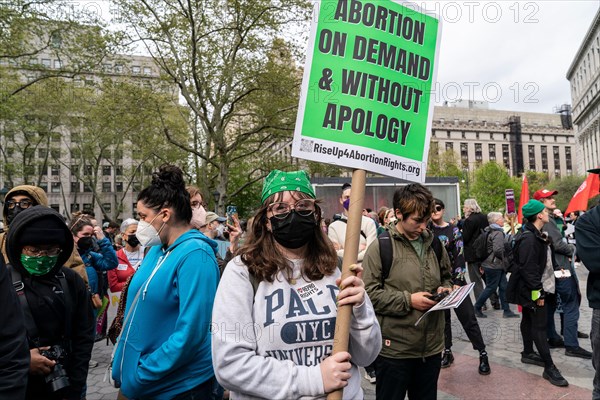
[344, 314]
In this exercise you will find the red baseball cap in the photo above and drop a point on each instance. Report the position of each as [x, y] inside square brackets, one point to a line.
[544, 193]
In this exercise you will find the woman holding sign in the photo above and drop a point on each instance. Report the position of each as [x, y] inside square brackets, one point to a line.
[275, 310]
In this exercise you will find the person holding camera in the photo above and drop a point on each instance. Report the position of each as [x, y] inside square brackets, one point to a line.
[58, 315]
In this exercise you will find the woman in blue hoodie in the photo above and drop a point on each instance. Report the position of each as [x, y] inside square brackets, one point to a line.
[164, 350]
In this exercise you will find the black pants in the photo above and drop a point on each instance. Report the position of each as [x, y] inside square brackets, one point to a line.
[468, 320]
[417, 376]
[533, 330]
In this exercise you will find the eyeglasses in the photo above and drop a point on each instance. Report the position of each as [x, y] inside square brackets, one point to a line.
[304, 207]
[438, 208]
[197, 204]
[36, 252]
[23, 204]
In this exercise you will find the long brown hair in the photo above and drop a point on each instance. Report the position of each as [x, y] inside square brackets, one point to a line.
[263, 258]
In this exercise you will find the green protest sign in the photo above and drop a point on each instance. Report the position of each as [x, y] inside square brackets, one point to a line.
[366, 93]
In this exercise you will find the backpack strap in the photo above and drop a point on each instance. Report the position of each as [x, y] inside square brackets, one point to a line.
[30, 326]
[346, 222]
[436, 245]
[386, 253]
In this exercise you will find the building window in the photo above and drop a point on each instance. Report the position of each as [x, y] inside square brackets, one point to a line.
[119, 187]
[463, 135]
[106, 170]
[464, 154]
[87, 208]
[42, 153]
[75, 153]
[448, 134]
[107, 207]
[87, 170]
[87, 188]
[449, 146]
[107, 67]
[556, 153]
[136, 69]
[119, 170]
[74, 170]
[55, 187]
[46, 62]
[55, 153]
[118, 68]
[106, 187]
[55, 170]
[531, 153]
[478, 152]
[74, 188]
[43, 170]
[74, 207]
[544, 151]
[506, 156]
[55, 207]
[118, 155]
[44, 186]
[568, 158]
[57, 64]
[492, 151]
[147, 70]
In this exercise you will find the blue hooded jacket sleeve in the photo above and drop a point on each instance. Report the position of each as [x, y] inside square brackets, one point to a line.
[107, 258]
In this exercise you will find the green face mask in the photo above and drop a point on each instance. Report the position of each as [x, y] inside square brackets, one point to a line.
[39, 265]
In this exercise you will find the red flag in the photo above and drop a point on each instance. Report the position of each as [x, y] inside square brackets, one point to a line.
[587, 190]
[524, 197]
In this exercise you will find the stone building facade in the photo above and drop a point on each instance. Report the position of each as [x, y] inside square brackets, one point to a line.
[521, 141]
[584, 77]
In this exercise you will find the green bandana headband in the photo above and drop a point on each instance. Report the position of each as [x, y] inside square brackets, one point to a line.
[280, 181]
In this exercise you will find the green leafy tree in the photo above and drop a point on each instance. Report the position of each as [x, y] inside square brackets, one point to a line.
[234, 72]
[488, 188]
[48, 29]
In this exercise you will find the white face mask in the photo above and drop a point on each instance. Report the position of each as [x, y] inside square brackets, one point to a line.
[198, 217]
[220, 229]
[147, 234]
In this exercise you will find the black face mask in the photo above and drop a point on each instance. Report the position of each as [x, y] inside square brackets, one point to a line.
[11, 214]
[294, 231]
[133, 240]
[85, 243]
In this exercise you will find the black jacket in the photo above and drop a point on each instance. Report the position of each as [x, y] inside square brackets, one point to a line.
[587, 230]
[531, 255]
[471, 229]
[14, 353]
[47, 304]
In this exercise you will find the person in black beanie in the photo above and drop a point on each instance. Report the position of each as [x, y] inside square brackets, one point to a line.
[56, 304]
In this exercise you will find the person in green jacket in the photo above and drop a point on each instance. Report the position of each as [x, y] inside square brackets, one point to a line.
[410, 358]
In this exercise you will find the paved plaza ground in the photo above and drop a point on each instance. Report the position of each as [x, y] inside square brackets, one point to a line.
[510, 379]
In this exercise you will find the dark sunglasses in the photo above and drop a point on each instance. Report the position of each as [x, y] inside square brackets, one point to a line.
[438, 208]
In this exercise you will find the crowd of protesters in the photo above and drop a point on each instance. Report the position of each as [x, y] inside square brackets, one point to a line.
[257, 320]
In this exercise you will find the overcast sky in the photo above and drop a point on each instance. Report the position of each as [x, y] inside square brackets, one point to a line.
[515, 54]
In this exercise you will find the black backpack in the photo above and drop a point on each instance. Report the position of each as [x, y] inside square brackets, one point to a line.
[480, 246]
[511, 247]
[386, 253]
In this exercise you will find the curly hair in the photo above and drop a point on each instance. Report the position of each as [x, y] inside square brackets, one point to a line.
[168, 190]
[262, 255]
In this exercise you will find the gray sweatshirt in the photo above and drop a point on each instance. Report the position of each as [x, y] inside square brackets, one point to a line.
[270, 345]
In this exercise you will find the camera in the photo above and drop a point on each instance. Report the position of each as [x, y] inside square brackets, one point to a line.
[57, 379]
